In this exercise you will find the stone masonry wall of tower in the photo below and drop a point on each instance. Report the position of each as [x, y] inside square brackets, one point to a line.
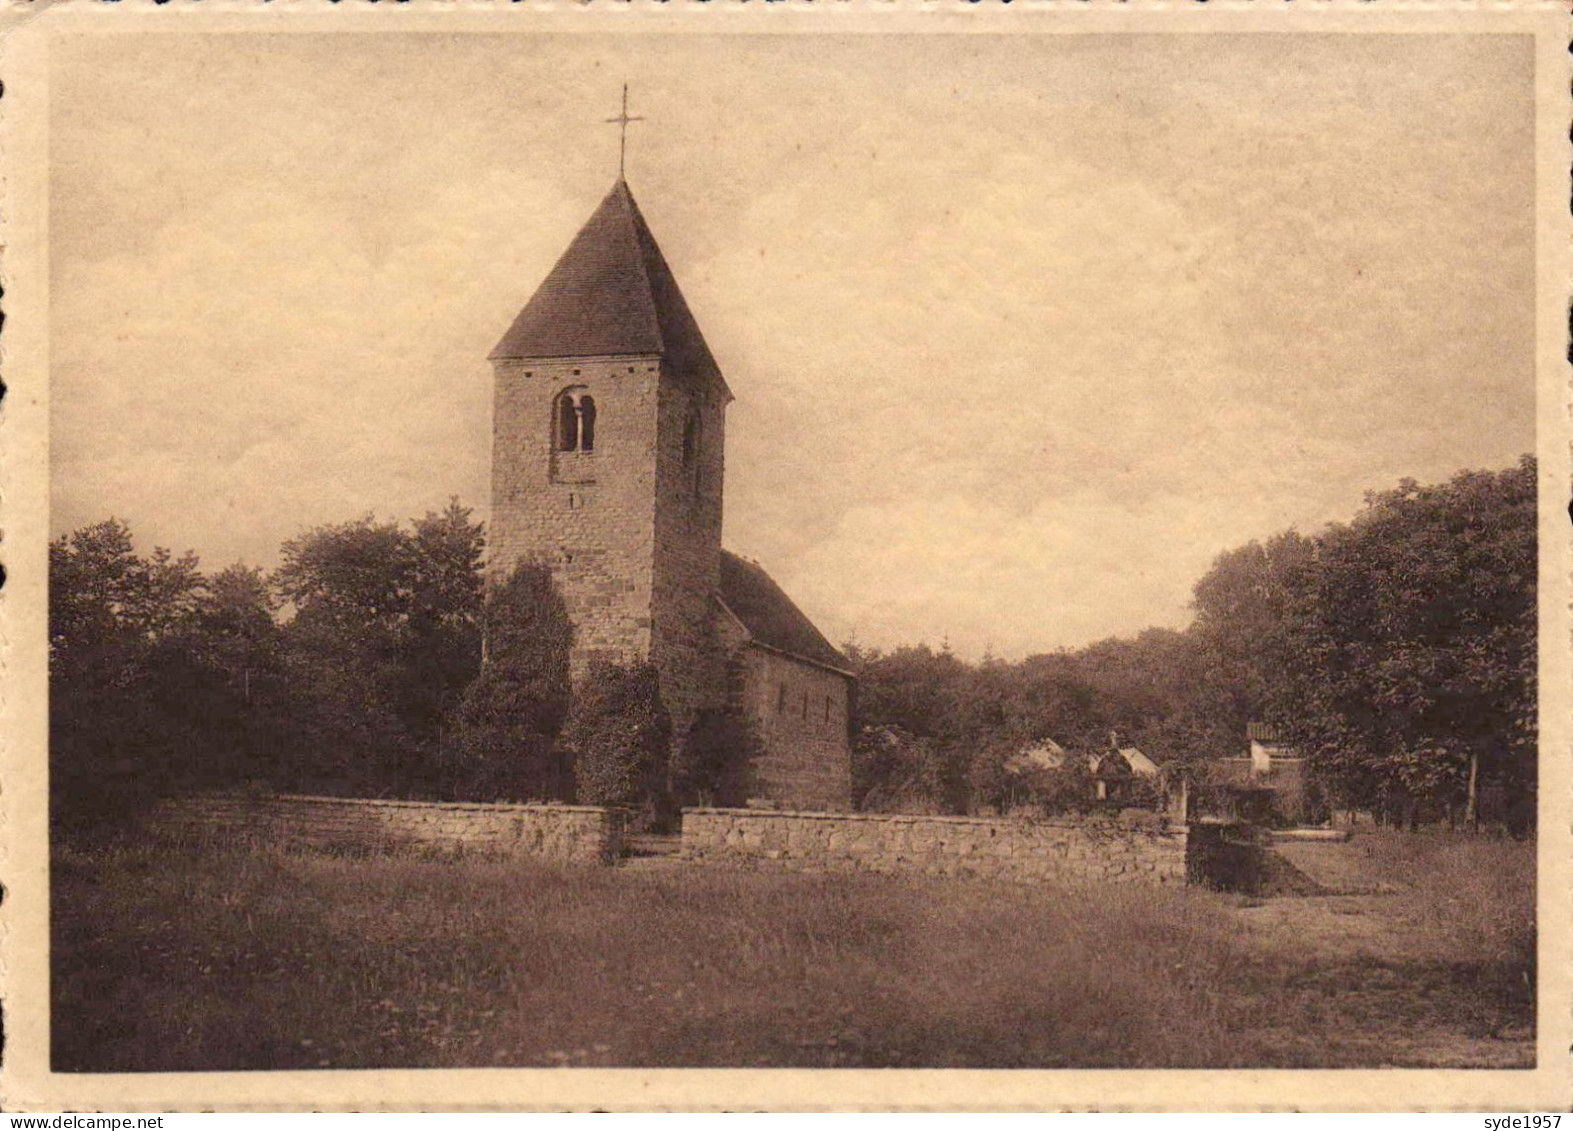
[690, 465]
[590, 516]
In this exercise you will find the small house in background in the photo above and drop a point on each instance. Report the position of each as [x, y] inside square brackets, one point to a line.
[1044, 754]
[1270, 780]
[1114, 769]
[1141, 765]
[1270, 749]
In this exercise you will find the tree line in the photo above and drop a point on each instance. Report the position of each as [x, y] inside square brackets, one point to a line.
[1396, 650]
[354, 669]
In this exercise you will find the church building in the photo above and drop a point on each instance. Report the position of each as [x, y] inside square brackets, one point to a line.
[608, 443]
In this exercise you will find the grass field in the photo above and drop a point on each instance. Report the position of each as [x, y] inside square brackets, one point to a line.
[237, 960]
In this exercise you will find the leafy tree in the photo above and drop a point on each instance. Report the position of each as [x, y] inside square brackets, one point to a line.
[347, 734]
[385, 637]
[916, 713]
[505, 742]
[1245, 649]
[444, 627]
[100, 591]
[232, 651]
[353, 575]
[1001, 781]
[896, 771]
[990, 785]
[235, 615]
[349, 588]
[1416, 644]
[1053, 698]
[619, 734]
[123, 718]
[913, 688]
[163, 679]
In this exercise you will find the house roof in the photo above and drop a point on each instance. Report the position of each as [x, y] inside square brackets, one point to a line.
[1044, 754]
[770, 616]
[610, 294]
[1139, 763]
[1041, 749]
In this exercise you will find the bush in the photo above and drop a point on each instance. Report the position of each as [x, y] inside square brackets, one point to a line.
[619, 734]
[895, 771]
[1068, 788]
[712, 765]
[1000, 780]
[1137, 792]
[505, 746]
[990, 786]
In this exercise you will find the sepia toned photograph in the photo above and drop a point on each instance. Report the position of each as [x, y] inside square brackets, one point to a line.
[775, 551]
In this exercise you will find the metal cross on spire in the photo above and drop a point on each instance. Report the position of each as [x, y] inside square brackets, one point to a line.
[622, 142]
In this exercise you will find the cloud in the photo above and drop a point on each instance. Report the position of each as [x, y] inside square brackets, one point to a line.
[1068, 571]
[1024, 330]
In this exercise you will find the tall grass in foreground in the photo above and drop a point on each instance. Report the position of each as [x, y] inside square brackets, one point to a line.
[235, 960]
[1477, 891]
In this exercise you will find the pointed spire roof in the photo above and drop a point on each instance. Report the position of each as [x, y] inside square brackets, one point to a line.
[610, 294]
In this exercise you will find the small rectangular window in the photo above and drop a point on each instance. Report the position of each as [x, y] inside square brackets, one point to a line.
[805, 704]
[827, 708]
[781, 700]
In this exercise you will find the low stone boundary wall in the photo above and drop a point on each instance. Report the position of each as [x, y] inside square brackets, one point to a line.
[1097, 850]
[577, 834]
[1241, 858]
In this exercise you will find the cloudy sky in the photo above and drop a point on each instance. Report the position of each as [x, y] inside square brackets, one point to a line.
[1023, 330]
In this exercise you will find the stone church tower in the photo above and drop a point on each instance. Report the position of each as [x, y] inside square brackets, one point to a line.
[608, 454]
[608, 433]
